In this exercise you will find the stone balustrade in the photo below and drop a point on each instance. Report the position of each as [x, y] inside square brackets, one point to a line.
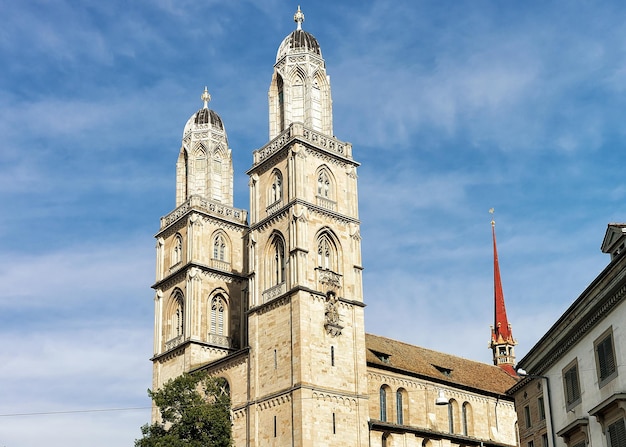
[202, 204]
[274, 292]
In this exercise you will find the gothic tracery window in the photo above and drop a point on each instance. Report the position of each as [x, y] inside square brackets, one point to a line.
[323, 184]
[177, 249]
[219, 248]
[276, 188]
[217, 315]
[277, 271]
[281, 103]
[176, 317]
[326, 253]
[216, 178]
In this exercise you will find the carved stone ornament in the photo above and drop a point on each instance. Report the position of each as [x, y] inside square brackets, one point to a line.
[329, 279]
[331, 316]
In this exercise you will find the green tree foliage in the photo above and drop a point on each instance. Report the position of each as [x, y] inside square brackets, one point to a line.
[195, 412]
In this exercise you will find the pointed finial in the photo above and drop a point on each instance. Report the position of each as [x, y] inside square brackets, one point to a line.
[493, 222]
[205, 97]
[298, 17]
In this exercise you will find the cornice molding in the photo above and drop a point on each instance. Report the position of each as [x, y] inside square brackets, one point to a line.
[601, 310]
[205, 270]
[283, 212]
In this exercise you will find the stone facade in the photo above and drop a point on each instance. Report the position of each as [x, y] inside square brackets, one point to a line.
[273, 300]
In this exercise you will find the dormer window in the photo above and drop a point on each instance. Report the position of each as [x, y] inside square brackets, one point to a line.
[445, 371]
[383, 357]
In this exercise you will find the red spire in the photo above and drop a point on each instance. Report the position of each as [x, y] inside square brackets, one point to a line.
[502, 340]
[502, 329]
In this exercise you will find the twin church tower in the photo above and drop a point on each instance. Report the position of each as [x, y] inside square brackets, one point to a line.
[274, 305]
[271, 300]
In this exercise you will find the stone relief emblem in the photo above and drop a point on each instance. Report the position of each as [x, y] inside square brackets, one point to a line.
[331, 313]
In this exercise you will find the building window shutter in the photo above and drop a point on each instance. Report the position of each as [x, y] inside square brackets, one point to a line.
[572, 386]
[606, 360]
[617, 434]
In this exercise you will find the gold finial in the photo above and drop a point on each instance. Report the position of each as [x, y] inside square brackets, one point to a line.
[298, 17]
[205, 97]
[493, 222]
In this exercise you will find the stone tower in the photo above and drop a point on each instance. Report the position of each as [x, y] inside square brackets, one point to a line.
[306, 323]
[273, 305]
[200, 278]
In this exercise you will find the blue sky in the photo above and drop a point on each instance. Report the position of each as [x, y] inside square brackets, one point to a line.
[453, 107]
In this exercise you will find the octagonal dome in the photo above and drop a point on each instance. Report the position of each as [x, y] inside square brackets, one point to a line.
[298, 41]
[205, 116]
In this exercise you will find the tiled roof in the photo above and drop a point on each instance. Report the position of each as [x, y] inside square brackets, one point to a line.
[438, 366]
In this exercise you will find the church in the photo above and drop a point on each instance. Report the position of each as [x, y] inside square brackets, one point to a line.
[271, 298]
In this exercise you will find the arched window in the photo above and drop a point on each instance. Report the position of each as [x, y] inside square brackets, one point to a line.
[217, 315]
[400, 406]
[278, 261]
[326, 252]
[223, 387]
[383, 403]
[175, 325]
[386, 440]
[316, 106]
[281, 104]
[297, 99]
[276, 189]
[450, 419]
[216, 178]
[323, 184]
[219, 248]
[199, 171]
[177, 249]
[179, 320]
[453, 408]
[466, 416]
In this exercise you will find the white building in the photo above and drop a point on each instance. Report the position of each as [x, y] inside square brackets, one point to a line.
[580, 400]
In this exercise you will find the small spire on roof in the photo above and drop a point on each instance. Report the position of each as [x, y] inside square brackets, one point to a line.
[205, 97]
[298, 17]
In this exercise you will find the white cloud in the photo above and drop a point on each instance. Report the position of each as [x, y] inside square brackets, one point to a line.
[79, 276]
